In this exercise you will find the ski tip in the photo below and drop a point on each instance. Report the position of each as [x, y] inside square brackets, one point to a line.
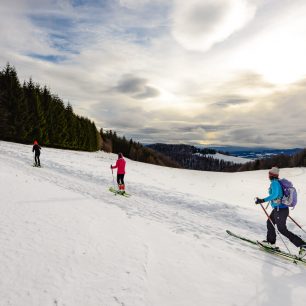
[229, 232]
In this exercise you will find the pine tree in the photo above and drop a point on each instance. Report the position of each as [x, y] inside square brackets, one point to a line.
[11, 96]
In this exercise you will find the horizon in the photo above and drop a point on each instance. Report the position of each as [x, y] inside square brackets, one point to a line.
[229, 146]
[219, 72]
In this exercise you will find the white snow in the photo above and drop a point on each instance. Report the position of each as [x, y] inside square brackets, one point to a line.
[228, 158]
[66, 240]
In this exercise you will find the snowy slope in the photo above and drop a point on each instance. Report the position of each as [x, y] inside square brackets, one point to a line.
[228, 158]
[66, 240]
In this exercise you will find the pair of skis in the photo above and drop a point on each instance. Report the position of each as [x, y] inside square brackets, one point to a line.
[119, 192]
[275, 251]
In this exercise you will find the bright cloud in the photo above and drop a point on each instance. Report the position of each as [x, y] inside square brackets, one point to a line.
[277, 50]
[198, 25]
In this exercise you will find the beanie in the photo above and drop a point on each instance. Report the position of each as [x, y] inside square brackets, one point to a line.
[274, 171]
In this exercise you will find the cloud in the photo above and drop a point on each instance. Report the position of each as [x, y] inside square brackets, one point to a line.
[231, 101]
[198, 25]
[136, 87]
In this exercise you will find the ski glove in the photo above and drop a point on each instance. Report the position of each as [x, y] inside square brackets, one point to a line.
[259, 201]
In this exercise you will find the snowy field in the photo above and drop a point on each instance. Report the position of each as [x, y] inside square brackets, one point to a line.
[66, 240]
[228, 158]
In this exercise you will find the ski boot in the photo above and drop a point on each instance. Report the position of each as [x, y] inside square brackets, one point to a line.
[302, 252]
[121, 189]
[269, 245]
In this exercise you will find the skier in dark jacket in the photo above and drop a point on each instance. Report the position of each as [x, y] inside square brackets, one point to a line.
[37, 149]
[279, 214]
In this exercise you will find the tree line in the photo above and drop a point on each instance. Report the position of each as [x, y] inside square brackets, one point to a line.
[111, 142]
[191, 157]
[29, 112]
[280, 160]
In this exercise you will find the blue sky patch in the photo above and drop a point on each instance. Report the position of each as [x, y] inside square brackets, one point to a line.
[48, 58]
[52, 22]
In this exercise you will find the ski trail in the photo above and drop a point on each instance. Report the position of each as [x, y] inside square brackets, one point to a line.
[183, 213]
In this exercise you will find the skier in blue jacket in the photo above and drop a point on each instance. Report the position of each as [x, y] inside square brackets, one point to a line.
[279, 214]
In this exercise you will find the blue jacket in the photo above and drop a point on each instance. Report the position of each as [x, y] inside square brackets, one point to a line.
[275, 194]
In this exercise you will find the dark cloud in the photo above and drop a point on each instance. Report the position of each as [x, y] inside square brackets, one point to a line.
[246, 135]
[204, 127]
[151, 131]
[231, 101]
[148, 92]
[136, 87]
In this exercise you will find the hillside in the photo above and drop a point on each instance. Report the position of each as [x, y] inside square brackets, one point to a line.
[256, 153]
[195, 158]
[66, 240]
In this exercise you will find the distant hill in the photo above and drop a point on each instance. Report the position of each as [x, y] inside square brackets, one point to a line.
[229, 158]
[211, 159]
[256, 153]
[191, 157]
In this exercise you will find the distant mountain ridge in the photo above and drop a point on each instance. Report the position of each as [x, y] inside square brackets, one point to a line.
[256, 153]
[195, 158]
[208, 159]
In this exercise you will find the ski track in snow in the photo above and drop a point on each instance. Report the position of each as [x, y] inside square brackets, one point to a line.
[181, 211]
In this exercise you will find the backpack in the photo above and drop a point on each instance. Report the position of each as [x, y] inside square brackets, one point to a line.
[290, 195]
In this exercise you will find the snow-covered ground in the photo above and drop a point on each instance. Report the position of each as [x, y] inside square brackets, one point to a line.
[229, 158]
[66, 240]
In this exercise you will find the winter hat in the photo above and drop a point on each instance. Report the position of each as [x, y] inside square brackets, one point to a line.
[274, 171]
[120, 155]
[35, 142]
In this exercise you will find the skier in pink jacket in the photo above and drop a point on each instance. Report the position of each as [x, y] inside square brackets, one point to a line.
[120, 165]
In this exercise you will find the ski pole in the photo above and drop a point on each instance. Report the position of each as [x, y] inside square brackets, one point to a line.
[276, 229]
[297, 224]
[113, 178]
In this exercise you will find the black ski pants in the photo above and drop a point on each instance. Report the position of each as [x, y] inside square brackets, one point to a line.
[279, 217]
[120, 179]
[37, 160]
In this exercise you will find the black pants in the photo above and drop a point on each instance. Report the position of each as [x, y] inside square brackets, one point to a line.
[120, 179]
[37, 160]
[279, 217]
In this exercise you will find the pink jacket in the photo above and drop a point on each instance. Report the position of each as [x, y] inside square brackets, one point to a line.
[120, 164]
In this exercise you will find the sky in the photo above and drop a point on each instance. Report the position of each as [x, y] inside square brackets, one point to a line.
[201, 72]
